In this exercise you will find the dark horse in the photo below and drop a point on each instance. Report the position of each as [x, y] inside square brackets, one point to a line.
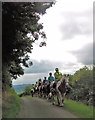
[60, 91]
[46, 90]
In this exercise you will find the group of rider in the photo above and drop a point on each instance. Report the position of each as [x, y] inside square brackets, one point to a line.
[55, 86]
[56, 78]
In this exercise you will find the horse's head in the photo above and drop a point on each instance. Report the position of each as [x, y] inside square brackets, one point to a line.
[65, 79]
[52, 93]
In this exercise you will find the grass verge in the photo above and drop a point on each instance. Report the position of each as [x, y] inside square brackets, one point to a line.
[78, 108]
[28, 96]
[10, 104]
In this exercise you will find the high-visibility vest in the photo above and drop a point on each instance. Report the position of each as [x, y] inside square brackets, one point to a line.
[59, 74]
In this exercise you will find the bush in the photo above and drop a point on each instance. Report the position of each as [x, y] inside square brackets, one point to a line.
[10, 104]
[83, 88]
[27, 90]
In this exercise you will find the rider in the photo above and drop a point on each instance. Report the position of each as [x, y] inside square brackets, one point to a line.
[58, 76]
[32, 89]
[33, 86]
[39, 82]
[36, 86]
[45, 81]
[50, 78]
[39, 85]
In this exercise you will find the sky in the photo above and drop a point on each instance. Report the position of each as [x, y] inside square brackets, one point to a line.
[69, 29]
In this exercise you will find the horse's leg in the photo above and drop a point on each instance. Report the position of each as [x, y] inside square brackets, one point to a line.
[59, 93]
[51, 96]
[58, 99]
[39, 91]
[53, 101]
[62, 98]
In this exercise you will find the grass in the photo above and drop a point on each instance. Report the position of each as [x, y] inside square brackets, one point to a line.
[78, 108]
[10, 104]
[19, 92]
[28, 96]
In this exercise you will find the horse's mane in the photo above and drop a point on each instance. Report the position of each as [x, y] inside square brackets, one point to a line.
[63, 80]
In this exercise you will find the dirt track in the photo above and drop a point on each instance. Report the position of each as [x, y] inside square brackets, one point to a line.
[40, 108]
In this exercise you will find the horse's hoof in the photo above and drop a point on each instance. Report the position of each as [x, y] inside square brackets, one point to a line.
[61, 105]
[53, 103]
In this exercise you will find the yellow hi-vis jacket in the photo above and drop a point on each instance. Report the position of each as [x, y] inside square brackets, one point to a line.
[58, 75]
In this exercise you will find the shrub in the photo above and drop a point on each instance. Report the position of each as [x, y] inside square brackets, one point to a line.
[10, 104]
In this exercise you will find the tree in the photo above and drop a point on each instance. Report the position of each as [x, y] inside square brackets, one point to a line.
[27, 90]
[19, 20]
[78, 74]
[83, 87]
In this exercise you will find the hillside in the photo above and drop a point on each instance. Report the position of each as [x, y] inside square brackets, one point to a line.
[20, 88]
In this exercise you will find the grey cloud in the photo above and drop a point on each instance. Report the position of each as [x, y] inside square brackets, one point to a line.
[76, 24]
[28, 78]
[85, 55]
[42, 67]
[68, 65]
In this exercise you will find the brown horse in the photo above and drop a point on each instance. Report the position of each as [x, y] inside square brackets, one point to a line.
[60, 91]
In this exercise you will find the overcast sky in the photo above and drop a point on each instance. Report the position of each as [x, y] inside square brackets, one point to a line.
[69, 29]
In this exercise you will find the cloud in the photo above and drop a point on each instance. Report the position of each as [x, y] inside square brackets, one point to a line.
[28, 78]
[43, 66]
[85, 55]
[69, 27]
[76, 23]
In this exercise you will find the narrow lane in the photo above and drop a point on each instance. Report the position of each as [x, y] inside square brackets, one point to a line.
[39, 108]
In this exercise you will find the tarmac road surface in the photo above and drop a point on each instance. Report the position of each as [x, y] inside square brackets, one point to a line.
[34, 107]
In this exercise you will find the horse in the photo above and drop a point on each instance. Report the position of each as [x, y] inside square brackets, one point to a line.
[60, 91]
[40, 91]
[46, 90]
[32, 91]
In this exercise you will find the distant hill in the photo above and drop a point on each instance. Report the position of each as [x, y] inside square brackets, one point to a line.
[20, 88]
